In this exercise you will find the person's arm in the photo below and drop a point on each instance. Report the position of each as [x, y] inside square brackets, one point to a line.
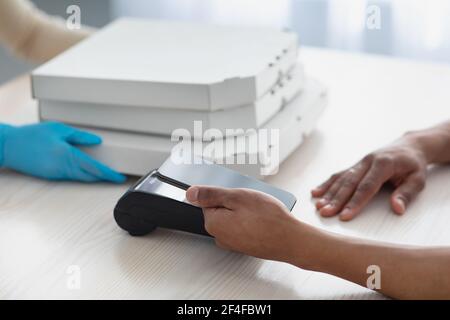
[32, 34]
[49, 150]
[405, 272]
[403, 163]
[259, 225]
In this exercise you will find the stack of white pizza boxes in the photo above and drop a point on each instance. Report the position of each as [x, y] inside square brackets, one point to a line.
[234, 95]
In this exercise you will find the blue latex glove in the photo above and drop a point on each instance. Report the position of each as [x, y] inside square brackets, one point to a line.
[47, 150]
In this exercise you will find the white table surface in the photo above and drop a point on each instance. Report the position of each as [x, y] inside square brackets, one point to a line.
[46, 227]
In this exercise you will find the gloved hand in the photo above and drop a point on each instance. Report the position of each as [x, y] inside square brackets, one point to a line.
[48, 150]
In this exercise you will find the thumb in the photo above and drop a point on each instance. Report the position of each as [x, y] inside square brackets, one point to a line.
[209, 197]
[79, 137]
[407, 191]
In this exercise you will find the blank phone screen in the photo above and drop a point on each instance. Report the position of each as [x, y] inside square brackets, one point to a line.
[207, 173]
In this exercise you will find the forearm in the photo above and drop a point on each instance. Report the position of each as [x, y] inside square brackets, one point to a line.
[32, 34]
[433, 142]
[405, 272]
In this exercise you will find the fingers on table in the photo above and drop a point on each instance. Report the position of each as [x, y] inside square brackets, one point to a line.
[407, 191]
[341, 192]
[353, 188]
[369, 185]
[324, 190]
[319, 191]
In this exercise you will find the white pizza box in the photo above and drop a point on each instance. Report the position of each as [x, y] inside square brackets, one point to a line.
[137, 154]
[169, 64]
[165, 120]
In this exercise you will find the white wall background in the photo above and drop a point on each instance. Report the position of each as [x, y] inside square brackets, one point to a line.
[418, 29]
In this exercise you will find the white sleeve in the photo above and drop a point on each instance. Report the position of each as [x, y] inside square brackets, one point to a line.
[30, 33]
